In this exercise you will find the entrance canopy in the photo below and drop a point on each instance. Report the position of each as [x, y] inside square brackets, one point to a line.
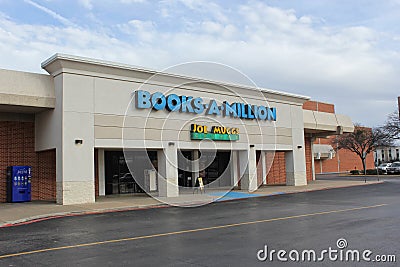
[321, 124]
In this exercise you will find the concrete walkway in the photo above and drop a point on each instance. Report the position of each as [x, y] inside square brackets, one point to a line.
[22, 213]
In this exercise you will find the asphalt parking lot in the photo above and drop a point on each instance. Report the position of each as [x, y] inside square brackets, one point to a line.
[220, 234]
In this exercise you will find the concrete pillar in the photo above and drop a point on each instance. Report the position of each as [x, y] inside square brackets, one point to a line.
[234, 169]
[75, 178]
[168, 172]
[295, 173]
[264, 167]
[296, 158]
[312, 158]
[75, 153]
[248, 169]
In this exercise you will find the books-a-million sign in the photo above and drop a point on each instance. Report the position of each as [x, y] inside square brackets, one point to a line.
[189, 104]
[218, 133]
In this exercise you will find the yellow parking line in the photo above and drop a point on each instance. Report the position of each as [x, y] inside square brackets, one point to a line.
[185, 231]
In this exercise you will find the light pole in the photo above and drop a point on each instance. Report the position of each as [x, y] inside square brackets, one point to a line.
[364, 166]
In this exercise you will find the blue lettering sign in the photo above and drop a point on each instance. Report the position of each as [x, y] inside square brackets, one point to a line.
[186, 103]
[198, 105]
[262, 113]
[173, 102]
[230, 110]
[213, 108]
[142, 99]
[249, 112]
[271, 114]
[158, 101]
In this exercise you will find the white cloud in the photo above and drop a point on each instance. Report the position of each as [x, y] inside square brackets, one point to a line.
[208, 7]
[132, 1]
[278, 48]
[50, 12]
[144, 31]
[218, 29]
[86, 4]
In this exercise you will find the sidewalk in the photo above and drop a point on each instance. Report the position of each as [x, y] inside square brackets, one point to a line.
[22, 213]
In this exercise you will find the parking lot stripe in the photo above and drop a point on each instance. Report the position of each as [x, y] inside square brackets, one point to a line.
[186, 231]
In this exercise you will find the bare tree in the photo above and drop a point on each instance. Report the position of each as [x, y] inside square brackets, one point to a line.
[392, 126]
[362, 141]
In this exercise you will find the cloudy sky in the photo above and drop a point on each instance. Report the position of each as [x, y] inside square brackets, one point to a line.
[339, 51]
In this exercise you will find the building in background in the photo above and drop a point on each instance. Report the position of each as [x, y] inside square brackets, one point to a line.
[327, 158]
[386, 154]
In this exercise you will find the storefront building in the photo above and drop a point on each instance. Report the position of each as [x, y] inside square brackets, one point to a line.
[93, 128]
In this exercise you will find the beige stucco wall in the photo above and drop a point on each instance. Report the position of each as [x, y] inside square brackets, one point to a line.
[25, 90]
[116, 116]
[94, 104]
[117, 122]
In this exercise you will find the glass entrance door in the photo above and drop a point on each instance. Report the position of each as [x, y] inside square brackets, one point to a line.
[217, 172]
[119, 179]
[185, 169]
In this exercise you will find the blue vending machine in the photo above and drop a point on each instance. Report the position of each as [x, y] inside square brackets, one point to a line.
[19, 183]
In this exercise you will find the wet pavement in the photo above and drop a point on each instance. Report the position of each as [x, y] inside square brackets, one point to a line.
[219, 234]
[14, 213]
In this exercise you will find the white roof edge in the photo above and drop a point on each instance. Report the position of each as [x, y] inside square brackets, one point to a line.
[325, 122]
[60, 56]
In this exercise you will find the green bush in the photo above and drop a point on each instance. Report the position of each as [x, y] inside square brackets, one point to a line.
[371, 171]
[354, 172]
